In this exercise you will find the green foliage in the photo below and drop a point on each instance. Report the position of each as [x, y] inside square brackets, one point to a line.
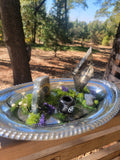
[97, 31]
[60, 116]
[74, 3]
[24, 104]
[86, 90]
[33, 18]
[105, 41]
[112, 24]
[54, 28]
[32, 119]
[52, 99]
[60, 93]
[110, 9]
[54, 32]
[50, 103]
[96, 102]
[86, 106]
[80, 100]
[107, 6]
[14, 108]
[79, 30]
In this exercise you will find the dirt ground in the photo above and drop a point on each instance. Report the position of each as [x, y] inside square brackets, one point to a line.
[44, 63]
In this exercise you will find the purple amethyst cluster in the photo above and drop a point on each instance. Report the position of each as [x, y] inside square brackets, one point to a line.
[65, 89]
[50, 111]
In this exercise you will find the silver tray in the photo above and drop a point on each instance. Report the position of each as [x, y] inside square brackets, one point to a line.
[107, 109]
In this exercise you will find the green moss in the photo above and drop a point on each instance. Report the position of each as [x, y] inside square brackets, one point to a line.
[72, 93]
[80, 100]
[52, 99]
[60, 93]
[86, 106]
[60, 116]
[96, 102]
[13, 109]
[26, 104]
[76, 109]
[33, 119]
[86, 90]
[29, 100]
[80, 97]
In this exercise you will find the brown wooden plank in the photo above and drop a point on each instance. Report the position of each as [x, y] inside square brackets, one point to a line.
[115, 69]
[117, 158]
[72, 146]
[113, 78]
[70, 149]
[117, 62]
[77, 147]
[118, 56]
[105, 154]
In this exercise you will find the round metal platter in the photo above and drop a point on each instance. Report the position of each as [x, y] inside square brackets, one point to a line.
[12, 128]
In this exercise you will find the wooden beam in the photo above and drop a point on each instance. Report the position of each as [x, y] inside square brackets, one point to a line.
[113, 78]
[115, 69]
[75, 148]
[117, 158]
[66, 150]
[105, 154]
[118, 56]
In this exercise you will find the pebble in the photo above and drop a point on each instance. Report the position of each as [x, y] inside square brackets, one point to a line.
[21, 116]
[89, 99]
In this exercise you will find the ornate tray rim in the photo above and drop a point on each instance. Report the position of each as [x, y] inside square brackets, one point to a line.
[68, 131]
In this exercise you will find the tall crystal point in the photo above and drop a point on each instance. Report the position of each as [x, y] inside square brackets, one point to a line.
[84, 71]
[41, 88]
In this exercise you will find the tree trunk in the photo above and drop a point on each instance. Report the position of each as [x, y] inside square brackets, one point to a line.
[115, 50]
[66, 15]
[15, 40]
[37, 8]
[35, 23]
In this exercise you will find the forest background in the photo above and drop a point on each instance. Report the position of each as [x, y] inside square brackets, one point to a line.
[53, 32]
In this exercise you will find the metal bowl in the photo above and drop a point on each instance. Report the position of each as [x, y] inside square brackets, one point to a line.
[12, 128]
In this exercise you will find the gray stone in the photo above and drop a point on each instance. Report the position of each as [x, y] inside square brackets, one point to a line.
[89, 99]
[21, 116]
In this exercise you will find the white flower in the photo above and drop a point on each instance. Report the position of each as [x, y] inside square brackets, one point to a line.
[20, 103]
[25, 104]
[13, 105]
[23, 93]
[59, 85]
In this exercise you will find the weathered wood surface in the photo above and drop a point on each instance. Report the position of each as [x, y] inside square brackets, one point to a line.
[105, 154]
[113, 78]
[64, 149]
[115, 69]
[117, 158]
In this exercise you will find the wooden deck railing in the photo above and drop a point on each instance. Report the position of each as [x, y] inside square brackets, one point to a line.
[68, 148]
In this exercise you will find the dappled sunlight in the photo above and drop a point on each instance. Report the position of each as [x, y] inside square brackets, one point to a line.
[45, 63]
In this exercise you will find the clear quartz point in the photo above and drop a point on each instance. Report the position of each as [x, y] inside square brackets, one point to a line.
[41, 88]
[84, 71]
